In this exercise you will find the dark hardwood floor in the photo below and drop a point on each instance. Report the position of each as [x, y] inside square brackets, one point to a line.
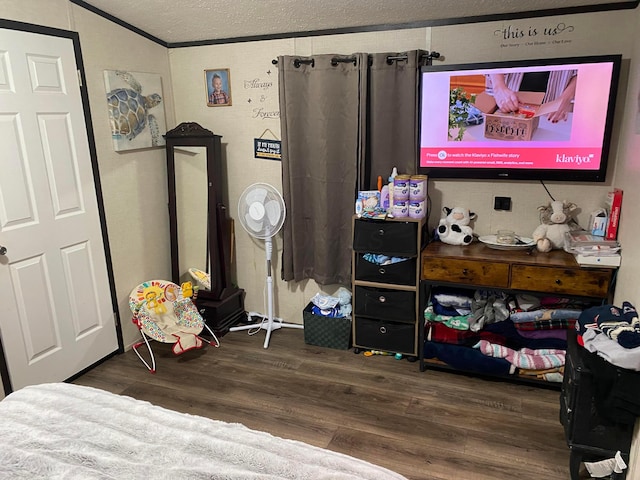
[432, 425]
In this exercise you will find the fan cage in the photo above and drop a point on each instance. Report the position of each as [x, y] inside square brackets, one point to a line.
[261, 210]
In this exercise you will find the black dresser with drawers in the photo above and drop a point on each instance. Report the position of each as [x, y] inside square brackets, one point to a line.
[386, 298]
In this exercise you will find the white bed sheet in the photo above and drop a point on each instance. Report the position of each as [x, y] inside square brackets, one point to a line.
[68, 431]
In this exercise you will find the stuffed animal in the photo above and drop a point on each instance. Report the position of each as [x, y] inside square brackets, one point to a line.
[454, 228]
[555, 220]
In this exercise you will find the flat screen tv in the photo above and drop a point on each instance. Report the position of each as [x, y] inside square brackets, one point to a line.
[545, 119]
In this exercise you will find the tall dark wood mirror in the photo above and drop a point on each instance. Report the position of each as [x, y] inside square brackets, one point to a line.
[200, 230]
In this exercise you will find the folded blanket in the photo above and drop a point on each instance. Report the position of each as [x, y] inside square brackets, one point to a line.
[545, 314]
[560, 334]
[453, 297]
[460, 322]
[438, 332]
[556, 324]
[468, 359]
[549, 375]
[525, 358]
[516, 341]
[614, 353]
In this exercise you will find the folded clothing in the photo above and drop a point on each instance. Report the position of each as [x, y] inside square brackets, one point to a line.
[379, 259]
[453, 297]
[545, 314]
[525, 358]
[501, 333]
[611, 351]
[439, 332]
[515, 340]
[556, 324]
[468, 359]
[458, 322]
[560, 334]
[326, 312]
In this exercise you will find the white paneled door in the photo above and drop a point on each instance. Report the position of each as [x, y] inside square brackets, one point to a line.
[56, 314]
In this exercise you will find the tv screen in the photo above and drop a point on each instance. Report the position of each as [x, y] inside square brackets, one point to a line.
[522, 120]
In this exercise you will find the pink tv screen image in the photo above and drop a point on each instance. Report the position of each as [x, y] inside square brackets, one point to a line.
[542, 119]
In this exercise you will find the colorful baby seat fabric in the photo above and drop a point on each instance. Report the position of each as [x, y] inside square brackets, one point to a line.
[166, 316]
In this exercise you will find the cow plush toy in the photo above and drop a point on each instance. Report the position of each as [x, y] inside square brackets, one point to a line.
[555, 220]
[454, 228]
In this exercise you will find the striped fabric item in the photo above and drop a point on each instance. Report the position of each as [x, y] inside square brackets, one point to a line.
[542, 359]
[546, 325]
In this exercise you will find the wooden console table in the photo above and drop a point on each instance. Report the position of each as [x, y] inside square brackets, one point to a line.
[478, 266]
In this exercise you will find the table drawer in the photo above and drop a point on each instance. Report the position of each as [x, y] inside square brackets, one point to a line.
[387, 336]
[567, 281]
[401, 273]
[489, 274]
[385, 304]
[391, 238]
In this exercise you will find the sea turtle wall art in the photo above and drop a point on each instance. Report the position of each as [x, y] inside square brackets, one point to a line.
[136, 109]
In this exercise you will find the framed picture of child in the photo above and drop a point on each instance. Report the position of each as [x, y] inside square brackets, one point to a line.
[218, 87]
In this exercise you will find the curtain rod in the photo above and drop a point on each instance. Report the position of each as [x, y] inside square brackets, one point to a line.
[335, 60]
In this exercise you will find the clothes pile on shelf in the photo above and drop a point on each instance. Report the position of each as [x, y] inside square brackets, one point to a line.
[492, 333]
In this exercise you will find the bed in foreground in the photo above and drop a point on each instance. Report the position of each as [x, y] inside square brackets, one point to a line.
[60, 430]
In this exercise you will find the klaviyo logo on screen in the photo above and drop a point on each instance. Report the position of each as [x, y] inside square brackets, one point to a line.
[577, 159]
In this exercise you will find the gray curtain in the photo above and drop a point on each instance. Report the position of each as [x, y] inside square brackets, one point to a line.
[344, 121]
[392, 115]
[322, 105]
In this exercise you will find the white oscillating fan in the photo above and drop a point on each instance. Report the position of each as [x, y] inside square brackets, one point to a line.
[261, 213]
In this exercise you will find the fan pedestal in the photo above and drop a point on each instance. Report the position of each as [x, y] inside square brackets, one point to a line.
[269, 326]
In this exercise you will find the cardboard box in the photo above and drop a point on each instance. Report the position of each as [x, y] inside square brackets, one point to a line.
[519, 126]
[370, 199]
[324, 331]
[598, 222]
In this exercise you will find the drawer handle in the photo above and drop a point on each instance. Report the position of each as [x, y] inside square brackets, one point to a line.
[382, 299]
[558, 281]
[465, 271]
[381, 231]
[383, 329]
[382, 271]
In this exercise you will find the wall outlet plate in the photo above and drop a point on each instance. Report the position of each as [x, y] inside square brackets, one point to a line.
[502, 203]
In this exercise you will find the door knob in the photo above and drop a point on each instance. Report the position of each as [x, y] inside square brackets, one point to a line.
[3, 250]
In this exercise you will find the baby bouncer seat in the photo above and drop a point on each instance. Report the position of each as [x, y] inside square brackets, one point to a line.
[164, 312]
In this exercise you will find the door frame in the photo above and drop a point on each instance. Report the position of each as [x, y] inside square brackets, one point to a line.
[75, 38]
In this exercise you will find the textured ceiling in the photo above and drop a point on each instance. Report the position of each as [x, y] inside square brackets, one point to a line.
[181, 21]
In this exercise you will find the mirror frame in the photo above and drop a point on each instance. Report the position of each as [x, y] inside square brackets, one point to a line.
[191, 134]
